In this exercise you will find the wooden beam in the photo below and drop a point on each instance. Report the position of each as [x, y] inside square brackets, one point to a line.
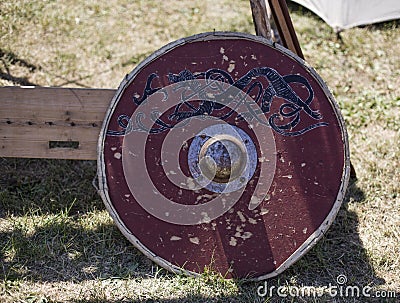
[44, 122]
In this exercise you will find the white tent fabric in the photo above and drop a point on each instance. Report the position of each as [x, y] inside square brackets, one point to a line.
[343, 14]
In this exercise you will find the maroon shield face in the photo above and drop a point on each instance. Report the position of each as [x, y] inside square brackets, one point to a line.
[223, 151]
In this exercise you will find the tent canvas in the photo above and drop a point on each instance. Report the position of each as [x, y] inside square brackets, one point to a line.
[343, 14]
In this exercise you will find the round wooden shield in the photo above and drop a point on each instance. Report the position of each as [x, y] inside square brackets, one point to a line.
[223, 151]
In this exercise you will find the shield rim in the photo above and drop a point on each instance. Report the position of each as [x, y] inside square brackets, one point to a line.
[101, 167]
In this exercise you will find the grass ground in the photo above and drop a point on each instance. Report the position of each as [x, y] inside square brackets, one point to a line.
[58, 243]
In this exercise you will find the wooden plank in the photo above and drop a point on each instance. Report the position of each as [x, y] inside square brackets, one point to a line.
[40, 149]
[51, 104]
[37, 140]
[35, 120]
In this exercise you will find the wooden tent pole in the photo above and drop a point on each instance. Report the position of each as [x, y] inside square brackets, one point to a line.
[261, 19]
[281, 16]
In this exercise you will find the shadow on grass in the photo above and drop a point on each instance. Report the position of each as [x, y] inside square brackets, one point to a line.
[340, 253]
[57, 227]
[58, 247]
[12, 58]
[8, 59]
[60, 250]
[16, 80]
[191, 299]
[47, 187]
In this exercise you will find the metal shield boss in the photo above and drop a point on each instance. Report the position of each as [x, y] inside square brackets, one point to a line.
[223, 151]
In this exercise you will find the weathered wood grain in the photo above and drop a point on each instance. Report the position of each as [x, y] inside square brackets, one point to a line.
[35, 120]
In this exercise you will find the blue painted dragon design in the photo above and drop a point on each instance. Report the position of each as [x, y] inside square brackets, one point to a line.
[284, 121]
